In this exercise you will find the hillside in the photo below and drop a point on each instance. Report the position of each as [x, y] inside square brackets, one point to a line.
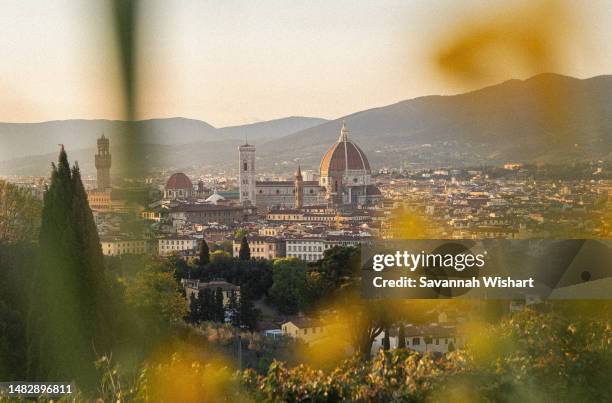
[543, 118]
[547, 118]
[31, 139]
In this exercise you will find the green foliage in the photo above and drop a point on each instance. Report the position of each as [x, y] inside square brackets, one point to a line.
[204, 253]
[19, 214]
[253, 276]
[181, 268]
[233, 309]
[401, 336]
[247, 313]
[156, 298]
[220, 257]
[16, 263]
[287, 292]
[188, 377]
[240, 233]
[529, 357]
[338, 263]
[400, 376]
[546, 355]
[245, 251]
[71, 312]
[218, 307]
[386, 343]
[194, 314]
[336, 270]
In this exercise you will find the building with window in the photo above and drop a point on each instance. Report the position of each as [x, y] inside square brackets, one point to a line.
[311, 249]
[117, 246]
[175, 244]
[204, 213]
[194, 287]
[307, 330]
[262, 247]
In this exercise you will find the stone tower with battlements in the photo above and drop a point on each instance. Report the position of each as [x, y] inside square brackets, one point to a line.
[103, 163]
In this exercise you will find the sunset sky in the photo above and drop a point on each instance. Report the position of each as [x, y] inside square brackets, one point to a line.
[234, 62]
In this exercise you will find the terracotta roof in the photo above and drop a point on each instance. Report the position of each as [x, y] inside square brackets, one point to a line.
[179, 181]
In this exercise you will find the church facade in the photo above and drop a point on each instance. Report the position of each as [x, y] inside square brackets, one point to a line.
[345, 180]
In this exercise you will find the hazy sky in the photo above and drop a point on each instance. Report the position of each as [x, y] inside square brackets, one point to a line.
[231, 62]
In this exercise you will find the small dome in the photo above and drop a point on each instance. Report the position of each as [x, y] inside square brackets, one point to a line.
[344, 155]
[179, 181]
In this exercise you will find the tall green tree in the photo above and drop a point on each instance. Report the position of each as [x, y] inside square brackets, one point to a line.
[340, 263]
[70, 313]
[194, 311]
[204, 253]
[233, 309]
[248, 314]
[386, 343]
[401, 336]
[245, 252]
[206, 305]
[289, 285]
[156, 298]
[219, 307]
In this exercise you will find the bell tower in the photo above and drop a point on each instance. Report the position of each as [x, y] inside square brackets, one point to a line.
[103, 163]
[246, 176]
[299, 189]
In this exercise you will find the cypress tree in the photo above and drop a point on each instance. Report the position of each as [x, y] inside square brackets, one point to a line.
[206, 311]
[69, 320]
[386, 343]
[245, 251]
[401, 336]
[219, 309]
[233, 309]
[95, 291]
[204, 253]
[247, 312]
[194, 305]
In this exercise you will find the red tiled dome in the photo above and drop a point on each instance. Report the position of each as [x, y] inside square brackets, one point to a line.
[344, 155]
[179, 181]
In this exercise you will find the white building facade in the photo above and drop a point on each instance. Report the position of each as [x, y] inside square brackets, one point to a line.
[170, 245]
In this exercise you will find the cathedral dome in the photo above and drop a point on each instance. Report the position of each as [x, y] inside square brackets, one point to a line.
[179, 181]
[344, 155]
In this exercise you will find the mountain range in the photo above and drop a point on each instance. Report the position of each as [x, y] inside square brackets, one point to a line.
[547, 118]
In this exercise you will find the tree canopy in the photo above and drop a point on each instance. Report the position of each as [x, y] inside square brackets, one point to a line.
[245, 251]
[19, 214]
